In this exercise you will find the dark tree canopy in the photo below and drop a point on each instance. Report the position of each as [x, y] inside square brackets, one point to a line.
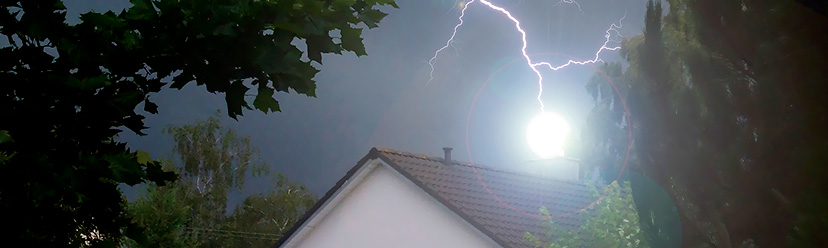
[68, 90]
[211, 162]
[729, 115]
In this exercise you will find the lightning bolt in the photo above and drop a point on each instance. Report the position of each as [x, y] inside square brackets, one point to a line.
[534, 66]
[448, 42]
[570, 2]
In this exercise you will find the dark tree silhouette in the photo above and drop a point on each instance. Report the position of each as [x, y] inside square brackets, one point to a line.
[728, 110]
[68, 90]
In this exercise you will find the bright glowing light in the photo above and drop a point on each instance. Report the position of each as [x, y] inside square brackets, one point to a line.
[546, 134]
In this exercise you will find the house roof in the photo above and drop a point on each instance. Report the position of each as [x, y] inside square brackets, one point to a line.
[496, 214]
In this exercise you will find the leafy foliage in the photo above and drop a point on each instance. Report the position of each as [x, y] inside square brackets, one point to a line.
[728, 114]
[214, 162]
[191, 212]
[604, 145]
[164, 215]
[68, 90]
[605, 138]
[611, 222]
[271, 213]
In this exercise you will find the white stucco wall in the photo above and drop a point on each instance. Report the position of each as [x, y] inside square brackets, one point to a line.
[387, 210]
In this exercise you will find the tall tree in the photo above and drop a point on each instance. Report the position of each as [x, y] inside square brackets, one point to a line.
[68, 90]
[213, 162]
[271, 213]
[164, 213]
[605, 142]
[728, 110]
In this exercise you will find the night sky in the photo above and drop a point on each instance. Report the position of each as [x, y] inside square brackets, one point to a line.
[382, 100]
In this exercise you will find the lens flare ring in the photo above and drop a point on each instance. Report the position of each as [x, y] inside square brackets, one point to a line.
[480, 179]
[534, 66]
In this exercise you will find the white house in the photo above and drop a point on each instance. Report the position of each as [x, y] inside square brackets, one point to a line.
[398, 199]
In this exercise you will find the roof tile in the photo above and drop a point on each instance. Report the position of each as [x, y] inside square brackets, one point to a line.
[458, 184]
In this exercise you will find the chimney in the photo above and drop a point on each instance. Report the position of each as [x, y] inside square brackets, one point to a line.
[447, 157]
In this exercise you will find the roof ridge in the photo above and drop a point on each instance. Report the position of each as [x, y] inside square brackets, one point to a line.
[474, 206]
[475, 165]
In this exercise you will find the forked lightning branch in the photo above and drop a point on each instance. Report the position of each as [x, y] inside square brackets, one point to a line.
[532, 64]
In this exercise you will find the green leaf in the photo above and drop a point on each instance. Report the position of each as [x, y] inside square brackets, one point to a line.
[389, 2]
[125, 168]
[359, 5]
[157, 175]
[290, 27]
[143, 157]
[318, 44]
[131, 39]
[265, 101]
[235, 99]
[141, 10]
[5, 137]
[304, 86]
[183, 79]
[88, 83]
[59, 5]
[371, 17]
[150, 107]
[352, 40]
[340, 4]
[127, 100]
[105, 20]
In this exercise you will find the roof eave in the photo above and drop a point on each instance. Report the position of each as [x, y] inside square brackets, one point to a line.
[372, 154]
[443, 201]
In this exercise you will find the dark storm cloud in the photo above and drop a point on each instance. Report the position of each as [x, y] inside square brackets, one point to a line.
[382, 99]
